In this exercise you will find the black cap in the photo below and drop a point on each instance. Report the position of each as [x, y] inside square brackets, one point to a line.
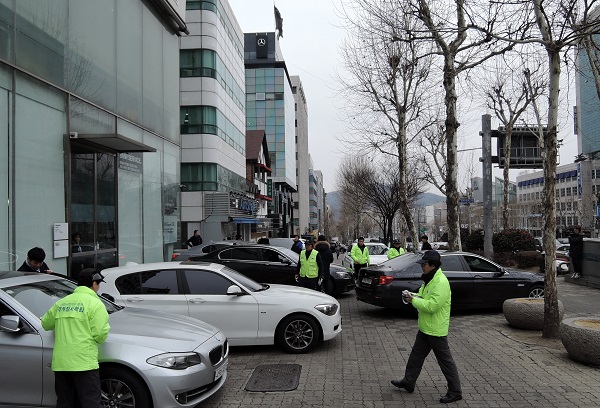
[396, 241]
[429, 256]
[88, 276]
[308, 242]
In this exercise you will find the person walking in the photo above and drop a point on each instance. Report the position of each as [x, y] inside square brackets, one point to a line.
[35, 261]
[194, 240]
[80, 324]
[395, 250]
[337, 250]
[433, 305]
[310, 267]
[296, 245]
[360, 256]
[324, 250]
[576, 251]
[425, 245]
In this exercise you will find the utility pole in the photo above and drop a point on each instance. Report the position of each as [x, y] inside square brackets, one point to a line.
[486, 150]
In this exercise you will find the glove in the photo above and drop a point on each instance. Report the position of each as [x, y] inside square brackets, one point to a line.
[320, 281]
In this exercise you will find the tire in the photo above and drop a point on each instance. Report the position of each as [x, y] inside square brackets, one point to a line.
[536, 291]
[298, 334]
[123, 388]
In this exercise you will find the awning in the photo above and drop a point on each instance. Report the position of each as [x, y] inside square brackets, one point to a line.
[114, 141]
[263, 197]
[246, 220]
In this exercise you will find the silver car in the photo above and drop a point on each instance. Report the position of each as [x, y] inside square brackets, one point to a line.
[150, 359]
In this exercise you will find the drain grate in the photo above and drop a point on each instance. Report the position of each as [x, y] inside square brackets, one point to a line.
[274, 377]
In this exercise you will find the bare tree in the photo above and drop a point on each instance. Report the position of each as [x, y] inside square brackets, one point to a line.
[388, 71]
[555, 26]
[372, 191]
[509, 97]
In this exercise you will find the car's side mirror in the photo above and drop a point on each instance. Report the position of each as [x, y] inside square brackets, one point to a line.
[285, 261]
[234, 290]
[10, 323]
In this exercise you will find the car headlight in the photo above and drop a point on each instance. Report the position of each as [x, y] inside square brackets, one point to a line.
[175, 361]
[329, 309]
[342, 275]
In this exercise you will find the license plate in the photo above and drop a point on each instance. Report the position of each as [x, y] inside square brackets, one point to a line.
[220, 371]
[366, 281]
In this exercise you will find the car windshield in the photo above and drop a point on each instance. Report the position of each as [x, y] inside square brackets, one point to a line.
[248, 283]
[403, 261]
[377, 249]
[38, 297]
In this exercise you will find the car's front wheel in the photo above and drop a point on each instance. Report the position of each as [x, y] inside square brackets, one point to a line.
[122, 388]
[536, 292]
[298, 334]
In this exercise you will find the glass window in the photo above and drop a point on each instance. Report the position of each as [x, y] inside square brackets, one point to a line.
[477, 264]
[129, 284]
[270, 255]
[452, 263]
[202, 282]
[250, 254]
[159, 282]
[5, 109]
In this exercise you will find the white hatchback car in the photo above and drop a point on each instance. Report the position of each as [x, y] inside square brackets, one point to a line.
[249, 313]
[377, 254]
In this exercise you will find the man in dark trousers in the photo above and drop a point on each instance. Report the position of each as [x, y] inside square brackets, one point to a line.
[194, 240]
[324, 250]
[35, 261]
[433, 304]
[310, 267]
[80, 324]
[296, 245]
[576, 251]
[360, 256]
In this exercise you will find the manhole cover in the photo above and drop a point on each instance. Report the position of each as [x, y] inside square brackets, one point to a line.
[274, 377]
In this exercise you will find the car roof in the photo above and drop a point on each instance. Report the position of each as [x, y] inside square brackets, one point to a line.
[14, 278]
[135, 267]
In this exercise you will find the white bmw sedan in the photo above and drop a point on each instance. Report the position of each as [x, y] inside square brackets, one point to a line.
[249, 313]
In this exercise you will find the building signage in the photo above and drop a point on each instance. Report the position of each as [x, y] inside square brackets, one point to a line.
[270, 188]
[579, 186]
[244, 204]
[575, 119]
[262, 46]
[131, 162]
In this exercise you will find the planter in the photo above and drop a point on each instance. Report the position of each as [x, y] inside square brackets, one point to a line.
[581, 338]
[527, 313]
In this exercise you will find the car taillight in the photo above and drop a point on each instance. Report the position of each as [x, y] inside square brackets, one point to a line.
[562, 259]
[173, 256]
[385, 280]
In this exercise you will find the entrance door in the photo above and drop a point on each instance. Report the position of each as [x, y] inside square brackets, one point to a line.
[93, 210]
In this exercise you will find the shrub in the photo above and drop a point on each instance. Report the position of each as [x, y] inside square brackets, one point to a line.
[473, 241]
[528, 259]
[506, 259]
[512, 240]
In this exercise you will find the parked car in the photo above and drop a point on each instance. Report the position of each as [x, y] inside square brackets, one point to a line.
[475, 281]
[284, 242]
[203, 249]
[377, 254]
[271, 264]
[135, 359]
[249, 313]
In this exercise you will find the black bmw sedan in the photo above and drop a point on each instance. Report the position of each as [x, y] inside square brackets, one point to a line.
[272, 264]
[475, 281]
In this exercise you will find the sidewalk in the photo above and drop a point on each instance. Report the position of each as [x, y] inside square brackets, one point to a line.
[499, 367]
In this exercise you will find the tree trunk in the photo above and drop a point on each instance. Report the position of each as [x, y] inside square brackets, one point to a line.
[452, 125]
[550, 150]
[507, 146]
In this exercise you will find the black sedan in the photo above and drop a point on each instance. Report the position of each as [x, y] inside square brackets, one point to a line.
[272, 264]
[475, 281]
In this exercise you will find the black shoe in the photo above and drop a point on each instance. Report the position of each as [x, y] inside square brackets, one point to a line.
[403, 384]
[446, 399]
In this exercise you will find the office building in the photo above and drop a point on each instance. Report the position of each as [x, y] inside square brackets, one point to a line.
[270, 107]
[90, 129]
[301, 197]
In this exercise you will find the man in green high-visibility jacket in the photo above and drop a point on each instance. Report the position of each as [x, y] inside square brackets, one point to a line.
[395, 250]
[360, 256]
[80, 324]
[433, 303]
[310, 267]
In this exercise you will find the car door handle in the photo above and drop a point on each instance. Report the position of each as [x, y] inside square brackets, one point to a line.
[135, 299]
[197, 300]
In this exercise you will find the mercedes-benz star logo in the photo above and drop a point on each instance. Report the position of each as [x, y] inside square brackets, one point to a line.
[261, 42]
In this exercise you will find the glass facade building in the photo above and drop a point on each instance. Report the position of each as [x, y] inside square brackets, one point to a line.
[89, 120]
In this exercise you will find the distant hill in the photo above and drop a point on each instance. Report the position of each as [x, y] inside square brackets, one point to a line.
[334, 200]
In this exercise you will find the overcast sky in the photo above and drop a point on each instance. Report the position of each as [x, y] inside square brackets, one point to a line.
[311, 37]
